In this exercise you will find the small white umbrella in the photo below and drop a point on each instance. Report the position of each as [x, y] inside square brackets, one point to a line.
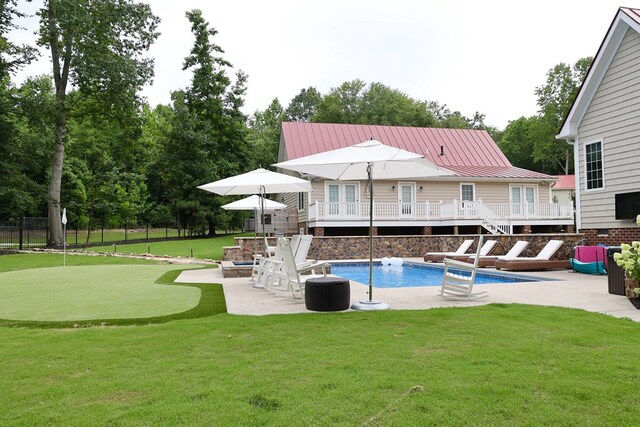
[259, 181]
[366, 160]
[254, 203]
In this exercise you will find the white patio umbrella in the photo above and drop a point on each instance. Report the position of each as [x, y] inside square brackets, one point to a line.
[254, 203]
[367, 160]
[259, 181]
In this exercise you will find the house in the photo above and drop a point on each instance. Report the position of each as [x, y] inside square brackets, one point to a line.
[482, 192]
[563, 190]
[603, 126]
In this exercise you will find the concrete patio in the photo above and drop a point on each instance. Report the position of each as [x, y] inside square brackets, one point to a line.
[568, 289]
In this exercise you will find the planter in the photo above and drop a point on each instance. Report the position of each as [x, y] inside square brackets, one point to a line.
[629, 286]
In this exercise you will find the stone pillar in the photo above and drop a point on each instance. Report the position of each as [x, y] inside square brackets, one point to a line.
[526, 229]
[571, 229]
[426, 230]
[318, 231]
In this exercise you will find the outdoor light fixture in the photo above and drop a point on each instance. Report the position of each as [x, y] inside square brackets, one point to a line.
[420, 188]
[393, 187]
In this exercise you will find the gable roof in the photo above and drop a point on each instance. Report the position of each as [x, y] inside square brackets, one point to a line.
[626, 18]
[564, 182]
[465, 152]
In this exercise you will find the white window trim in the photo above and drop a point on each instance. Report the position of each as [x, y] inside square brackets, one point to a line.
[341, 184]
[584, 163]
[472, 184]
[523, 186]
[413, 189]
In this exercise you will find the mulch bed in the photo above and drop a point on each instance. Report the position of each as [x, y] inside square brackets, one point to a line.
[635, 302]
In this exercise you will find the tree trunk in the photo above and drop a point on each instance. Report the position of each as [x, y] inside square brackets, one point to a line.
[55, 224]
[212, 228]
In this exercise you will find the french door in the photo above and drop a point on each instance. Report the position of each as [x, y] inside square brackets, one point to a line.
[406, 198]
[521, 194]
[342, 199]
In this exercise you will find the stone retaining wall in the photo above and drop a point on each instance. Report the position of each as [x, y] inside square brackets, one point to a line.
[357, 247]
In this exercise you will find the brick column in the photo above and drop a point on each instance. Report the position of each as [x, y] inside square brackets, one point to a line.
[526, 229]
[426, 231]
[318, 231]
[571, 229]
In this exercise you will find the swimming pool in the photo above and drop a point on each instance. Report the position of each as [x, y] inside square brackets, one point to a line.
[413, 275]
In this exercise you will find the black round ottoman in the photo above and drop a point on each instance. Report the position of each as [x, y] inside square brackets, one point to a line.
[327, 294]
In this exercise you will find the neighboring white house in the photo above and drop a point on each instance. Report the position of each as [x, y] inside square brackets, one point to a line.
[603, 126]
[483, 192]
[564, 189]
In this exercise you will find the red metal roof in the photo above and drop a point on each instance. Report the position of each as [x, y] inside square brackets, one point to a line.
[564, 182]
[466, 152]
[633, 13]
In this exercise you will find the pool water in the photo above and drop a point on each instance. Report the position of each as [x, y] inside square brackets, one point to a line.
[413, 275]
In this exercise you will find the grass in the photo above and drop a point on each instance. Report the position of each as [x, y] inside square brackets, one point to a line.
[203, 248]
[91, 292]
[492, 365]
[94, 291]
[24, 261]
[79, 237]
[500, 364]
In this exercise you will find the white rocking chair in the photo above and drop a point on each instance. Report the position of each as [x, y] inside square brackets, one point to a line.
[459, 278]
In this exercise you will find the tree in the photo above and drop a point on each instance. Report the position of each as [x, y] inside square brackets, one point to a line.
[304, 105]
[555, 98]
[207, 139]
[517, 142]
[264, 134]
[356, 103]
[12, 56]
[98, 48]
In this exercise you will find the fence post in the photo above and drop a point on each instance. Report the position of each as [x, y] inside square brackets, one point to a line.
[21, 231]
[125, 231]
[147, 231]
[77, 226]
[102, 233]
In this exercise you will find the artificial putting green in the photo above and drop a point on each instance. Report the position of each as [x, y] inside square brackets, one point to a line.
[92, 292]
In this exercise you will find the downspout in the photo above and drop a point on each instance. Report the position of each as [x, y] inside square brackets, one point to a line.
[576, 174]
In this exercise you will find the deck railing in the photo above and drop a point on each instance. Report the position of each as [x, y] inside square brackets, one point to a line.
[496, 213]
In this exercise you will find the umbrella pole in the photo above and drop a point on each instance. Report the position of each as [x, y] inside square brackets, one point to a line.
[370, 183]
[370, 305]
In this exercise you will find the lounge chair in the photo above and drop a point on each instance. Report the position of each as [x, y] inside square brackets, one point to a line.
[490, 260]
[459, 277]
[439, 256]
[542, 261]
[485, 250]
[295, 282]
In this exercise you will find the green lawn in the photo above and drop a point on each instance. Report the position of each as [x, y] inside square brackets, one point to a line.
[91, 292]
[203, 248]
[511, 365]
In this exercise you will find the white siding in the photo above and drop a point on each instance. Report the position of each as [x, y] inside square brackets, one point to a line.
[613, 117]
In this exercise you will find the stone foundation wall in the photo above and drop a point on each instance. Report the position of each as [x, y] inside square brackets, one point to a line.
[328, 248]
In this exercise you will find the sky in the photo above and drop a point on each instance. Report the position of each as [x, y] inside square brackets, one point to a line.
[486, 56]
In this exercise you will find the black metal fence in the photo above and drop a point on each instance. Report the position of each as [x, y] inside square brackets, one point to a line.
[27, 233]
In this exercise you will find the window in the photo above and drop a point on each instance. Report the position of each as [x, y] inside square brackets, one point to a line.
[467, 192]
[593, 165]
[301, 205]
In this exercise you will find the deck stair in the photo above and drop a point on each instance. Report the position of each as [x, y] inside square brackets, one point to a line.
[492, 220]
